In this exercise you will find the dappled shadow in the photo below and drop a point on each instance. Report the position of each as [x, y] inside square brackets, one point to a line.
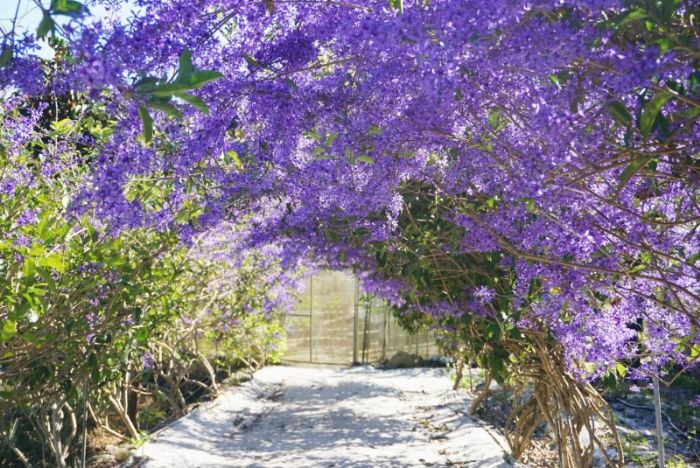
[308, 419]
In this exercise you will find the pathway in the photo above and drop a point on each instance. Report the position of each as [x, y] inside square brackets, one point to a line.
[317, 417]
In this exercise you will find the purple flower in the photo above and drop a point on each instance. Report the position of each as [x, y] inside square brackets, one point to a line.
[484, 294]
[22, 241]
[346, 138]
[147, 360]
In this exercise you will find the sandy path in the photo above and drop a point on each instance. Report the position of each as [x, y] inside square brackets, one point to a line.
[304, 417]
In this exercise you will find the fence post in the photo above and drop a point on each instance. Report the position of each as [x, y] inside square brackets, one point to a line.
[354, 322]
[365, 332]
[659, 423]
[384, 332]
[311, 317]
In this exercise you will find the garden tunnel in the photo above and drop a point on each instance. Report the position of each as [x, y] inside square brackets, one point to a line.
[536, 206]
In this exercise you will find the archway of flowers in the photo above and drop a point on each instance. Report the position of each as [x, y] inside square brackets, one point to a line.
[520, 176]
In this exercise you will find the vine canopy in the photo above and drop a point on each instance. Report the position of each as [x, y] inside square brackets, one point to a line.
[529, 163]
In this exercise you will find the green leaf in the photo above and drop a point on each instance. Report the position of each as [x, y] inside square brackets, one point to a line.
[530, 205]
[194, 80]
[665, 44]
[619, 113]
[36, 290]
[94, 367]
[496, 119]
[147, 124]
[6, 56]
[45, 26]
[631, 170]
[314, 135]
[200, 78]
[37, 250]
[63, 126]
[396, 5]
[142, 335]
[493, 331]
[70, 8]
[667, 8]
[330, 138]
[194, 101]
[560, 78]
[235, 159]
[92, 361]
[651, 111]
[621, 369]
[374, 130]
[186, 68]
[251, 61]
[47, 278]
[166, 107]
[632, 16]
[499, 370]
[54, 261]
[694, 351]
[146, 84]
[365, 159]
[170, 89]
[693, 258]
[9, 329]
[114, 261]
[691, 113]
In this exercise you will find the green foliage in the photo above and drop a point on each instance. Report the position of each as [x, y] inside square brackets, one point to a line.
[70, 8]
[426, 262]
[651, 112]
[85, 313]
[632, 442]
[159, 94]
[397, 5]
[5, 56]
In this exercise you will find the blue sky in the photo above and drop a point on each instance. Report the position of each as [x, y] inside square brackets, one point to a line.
[30, 14]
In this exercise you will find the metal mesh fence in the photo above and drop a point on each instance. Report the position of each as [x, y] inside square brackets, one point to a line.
[336, 323]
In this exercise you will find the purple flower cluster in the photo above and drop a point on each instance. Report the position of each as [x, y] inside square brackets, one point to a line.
[484, 294]
[544, 127]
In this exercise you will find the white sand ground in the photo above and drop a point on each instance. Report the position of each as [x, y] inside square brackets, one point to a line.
[318, 417]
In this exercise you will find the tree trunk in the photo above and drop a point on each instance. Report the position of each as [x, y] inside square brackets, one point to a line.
[485, 393]
[133, 409]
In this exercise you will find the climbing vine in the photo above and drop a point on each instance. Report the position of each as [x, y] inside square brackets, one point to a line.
[521, 176]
